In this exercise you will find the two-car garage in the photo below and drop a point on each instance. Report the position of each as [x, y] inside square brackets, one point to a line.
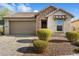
[22, 27]
[22, 23]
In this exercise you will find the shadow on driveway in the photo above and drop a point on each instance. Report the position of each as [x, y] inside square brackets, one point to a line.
[25, 41]
[26, 50]
[58, 41]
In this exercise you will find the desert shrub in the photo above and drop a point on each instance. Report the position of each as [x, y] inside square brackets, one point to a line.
[1, 30]
[40, 45]
[69, 36]
[72, 36]
[44, 34]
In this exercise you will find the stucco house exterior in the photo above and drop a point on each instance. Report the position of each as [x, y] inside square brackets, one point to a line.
[75, 24]
[27, 23]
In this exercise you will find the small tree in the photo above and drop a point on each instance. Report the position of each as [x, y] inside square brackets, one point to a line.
[3, 12]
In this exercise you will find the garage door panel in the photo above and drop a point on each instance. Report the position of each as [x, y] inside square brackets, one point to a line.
[22, 27]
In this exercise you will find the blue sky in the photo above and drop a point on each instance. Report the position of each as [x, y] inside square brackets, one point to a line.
[72, 8]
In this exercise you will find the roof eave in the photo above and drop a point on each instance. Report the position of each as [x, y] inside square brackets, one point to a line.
[67, 13]
[45, 8]
[61, 10]
[16, 17]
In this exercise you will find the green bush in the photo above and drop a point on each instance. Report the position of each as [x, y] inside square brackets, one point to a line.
[40, 45]
[44, 34]
[69, 36]
[1, 30]
[72, 36]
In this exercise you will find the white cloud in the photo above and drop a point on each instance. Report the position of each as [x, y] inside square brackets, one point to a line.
[73, 19]
[7, 6]
[19, 7]
[24, 8]
[35, 11]
[13, 4]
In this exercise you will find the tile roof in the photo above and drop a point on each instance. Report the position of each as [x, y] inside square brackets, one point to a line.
[22, 14]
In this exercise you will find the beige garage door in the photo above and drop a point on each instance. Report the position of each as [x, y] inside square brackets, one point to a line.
[22, 28]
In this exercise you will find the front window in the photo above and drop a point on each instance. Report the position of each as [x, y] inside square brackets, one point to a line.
[43, 23]
[59, 23]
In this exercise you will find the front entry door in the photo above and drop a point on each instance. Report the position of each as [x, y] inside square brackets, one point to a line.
[59, 23]
[59, 28]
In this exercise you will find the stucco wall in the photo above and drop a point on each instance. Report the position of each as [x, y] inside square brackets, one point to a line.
[51, 24]
[42, 16]
[75, 25]
[66, 27]
[6, 26]
[38, 22]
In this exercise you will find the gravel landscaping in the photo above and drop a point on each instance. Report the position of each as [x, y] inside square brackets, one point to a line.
[58, 46]
[22, 46]
[61, 47]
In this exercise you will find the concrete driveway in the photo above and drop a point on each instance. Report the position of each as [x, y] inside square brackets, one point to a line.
[9, 45]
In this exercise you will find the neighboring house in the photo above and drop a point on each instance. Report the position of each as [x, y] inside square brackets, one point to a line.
[75, 25]
[29, 22]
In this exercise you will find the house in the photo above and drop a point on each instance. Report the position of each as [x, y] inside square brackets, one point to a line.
[27, 23]
[75, 25]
